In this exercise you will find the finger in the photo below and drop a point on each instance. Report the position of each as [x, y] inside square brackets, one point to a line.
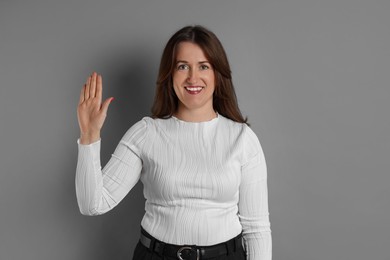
[87, 87]
[92, 90]
[82, 94]
[89, 79]
[99, 88]
[105, 105]
[93, 81]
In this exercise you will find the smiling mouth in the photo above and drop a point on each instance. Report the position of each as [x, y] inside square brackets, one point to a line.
[193, 90]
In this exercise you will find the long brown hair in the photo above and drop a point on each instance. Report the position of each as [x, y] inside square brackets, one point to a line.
[224, 97]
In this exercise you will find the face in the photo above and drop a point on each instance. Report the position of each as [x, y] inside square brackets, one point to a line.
[193, 79]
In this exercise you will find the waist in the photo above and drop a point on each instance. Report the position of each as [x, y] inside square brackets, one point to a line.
[190, 227]
[183, 252]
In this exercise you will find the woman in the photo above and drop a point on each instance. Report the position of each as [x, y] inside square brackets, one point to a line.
[202, 167]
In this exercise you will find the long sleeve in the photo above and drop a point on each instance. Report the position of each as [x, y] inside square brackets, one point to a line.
[253, 201]
[99, 190]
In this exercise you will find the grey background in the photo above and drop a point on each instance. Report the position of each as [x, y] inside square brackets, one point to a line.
[312, 76]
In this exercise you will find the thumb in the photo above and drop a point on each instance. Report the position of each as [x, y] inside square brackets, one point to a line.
[105, 105]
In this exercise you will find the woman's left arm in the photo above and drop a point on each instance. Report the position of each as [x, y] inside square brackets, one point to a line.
[253, 201]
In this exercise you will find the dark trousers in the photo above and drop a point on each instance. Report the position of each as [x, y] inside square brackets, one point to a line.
[143, 253]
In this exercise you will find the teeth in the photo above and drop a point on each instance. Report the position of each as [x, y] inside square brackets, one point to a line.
[194, 89]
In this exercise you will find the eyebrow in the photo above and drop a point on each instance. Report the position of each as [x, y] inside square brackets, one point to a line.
[183, 61]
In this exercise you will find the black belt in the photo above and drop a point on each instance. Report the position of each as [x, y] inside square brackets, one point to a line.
[191, 252]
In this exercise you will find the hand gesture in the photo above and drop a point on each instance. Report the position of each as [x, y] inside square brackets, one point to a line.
[91, 113]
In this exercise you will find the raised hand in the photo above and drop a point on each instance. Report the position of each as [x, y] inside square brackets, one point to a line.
[91, 112]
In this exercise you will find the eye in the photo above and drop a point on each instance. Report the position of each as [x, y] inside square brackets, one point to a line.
[204, 67]
[182, 67]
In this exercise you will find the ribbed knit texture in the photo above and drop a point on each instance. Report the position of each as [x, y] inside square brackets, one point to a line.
[204, 182]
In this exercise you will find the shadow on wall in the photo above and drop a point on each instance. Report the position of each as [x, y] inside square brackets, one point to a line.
[130, 78]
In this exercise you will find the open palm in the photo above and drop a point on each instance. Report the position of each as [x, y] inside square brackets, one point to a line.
[91, 112]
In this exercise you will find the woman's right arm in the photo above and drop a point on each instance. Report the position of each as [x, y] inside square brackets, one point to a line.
[99, 190]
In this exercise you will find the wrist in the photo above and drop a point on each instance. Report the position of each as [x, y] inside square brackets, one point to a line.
[88, 138]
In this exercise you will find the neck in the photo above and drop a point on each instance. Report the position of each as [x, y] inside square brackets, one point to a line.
[195, 115]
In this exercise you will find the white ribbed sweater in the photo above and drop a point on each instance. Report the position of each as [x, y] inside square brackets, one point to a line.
[204, 182]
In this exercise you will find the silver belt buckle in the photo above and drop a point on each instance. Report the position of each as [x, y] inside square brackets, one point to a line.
[187, 248]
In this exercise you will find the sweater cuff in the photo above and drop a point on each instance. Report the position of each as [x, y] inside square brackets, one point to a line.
[91, 144]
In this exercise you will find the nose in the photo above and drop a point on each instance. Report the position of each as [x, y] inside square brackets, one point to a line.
[192, 76]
